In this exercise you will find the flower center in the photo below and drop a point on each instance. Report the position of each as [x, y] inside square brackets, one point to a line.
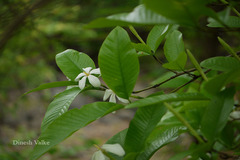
[87, 74]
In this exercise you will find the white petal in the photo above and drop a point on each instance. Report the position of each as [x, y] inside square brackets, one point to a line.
[95, 71]
[94, 81]
[107, 93]
[79, 76]
[87, 70]
[114, 148]
[112, 98]
[82, 83]
[99, 156]
[123, 100]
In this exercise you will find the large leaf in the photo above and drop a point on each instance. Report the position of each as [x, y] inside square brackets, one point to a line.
[156, 35]
[217, 113]
[69, 123]
[174, 51]
[51, 85]
[158, 138]
[173, 97]
[215, 84]
[184, 12]
[139, 16]
[143, 123]
[59, 106]
[221, 63]
[72, 62]
[118, 62]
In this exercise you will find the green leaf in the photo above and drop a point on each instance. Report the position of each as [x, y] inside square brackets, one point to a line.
[70, 122]
[59, 106]
[142, 47]
[72, 62]
[174, 51]
[173, 97]
[139, 16]
[221, 63]
[143, 123]
[156, 36]
[217, 113]
[51, 85]
[214, 85]
[118, 63]
[159, 138]
[186, 12]
[118, 138]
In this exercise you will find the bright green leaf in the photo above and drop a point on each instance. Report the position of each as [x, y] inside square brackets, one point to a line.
[118, 62]
[70, 122]
[72, 62]
[142, 47]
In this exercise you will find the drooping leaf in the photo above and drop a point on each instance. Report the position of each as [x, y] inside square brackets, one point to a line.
[59, 106]
[156, 36]
[72, 62]
[174, 51]
[186, 12]
[221, 63]
[118, 62]
[52, 85]
[69, 123]
[139, 16]
[217, 113]
[159, 138]
[173, 97]
[141, 126]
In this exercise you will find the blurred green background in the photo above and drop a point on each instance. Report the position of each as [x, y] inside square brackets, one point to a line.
[32, 33]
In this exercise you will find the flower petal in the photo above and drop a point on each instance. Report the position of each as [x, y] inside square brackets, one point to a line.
[99, 156]
[95, 71]
[112, 98]
[114, 148]
[107, 93]
[87, 70]
[79, 76]
[94, 81]
[123, 100]
[82, 83]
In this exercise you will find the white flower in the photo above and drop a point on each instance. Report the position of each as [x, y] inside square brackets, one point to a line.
[112, 148]
[87, 74]
[109, 93]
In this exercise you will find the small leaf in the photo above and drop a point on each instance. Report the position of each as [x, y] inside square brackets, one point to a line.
[217, 113]
[51, 85]
[221, 63]
[173, 97]
[69, 123]
[59, 106]
[72, 62]
[118, 62]
[228, 48]
[177, 64]
[142, 47]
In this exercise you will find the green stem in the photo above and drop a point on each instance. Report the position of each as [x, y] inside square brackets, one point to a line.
[132, 29]
[235, 11]
[185, 122]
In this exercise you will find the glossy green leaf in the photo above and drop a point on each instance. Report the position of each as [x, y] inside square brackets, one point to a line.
[186, 12]
[156, 36]
[72, 62]
[142, 47]
[174, 51]
[139, 16]
[217, 113]
[215, 84]
[173, 97]
[221, 63]
[51, 85]
[141, 126]
[59, 106]
[118, 62]
[69, 123]
[159, 138]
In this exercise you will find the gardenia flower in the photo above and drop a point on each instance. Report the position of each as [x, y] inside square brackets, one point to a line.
[109, 93]
[112, 148]
[87, 74]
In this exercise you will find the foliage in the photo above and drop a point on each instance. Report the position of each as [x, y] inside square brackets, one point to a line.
[207, 100]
